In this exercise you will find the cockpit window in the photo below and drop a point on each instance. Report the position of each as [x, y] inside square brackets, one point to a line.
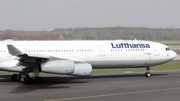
[168, 49]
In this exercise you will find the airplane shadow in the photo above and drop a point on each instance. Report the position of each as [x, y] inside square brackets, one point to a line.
[120, 76]
[54, 82]
[49, 83]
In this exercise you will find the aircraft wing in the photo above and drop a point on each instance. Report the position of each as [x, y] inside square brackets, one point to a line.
[28, 57]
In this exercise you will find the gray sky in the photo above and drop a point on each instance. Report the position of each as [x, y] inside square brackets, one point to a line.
[51, 14]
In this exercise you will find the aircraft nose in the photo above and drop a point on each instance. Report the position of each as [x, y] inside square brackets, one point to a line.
[173, 54]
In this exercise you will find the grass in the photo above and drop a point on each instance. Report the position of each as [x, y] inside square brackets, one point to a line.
[159, 67]
[171, 43]
[9, 74]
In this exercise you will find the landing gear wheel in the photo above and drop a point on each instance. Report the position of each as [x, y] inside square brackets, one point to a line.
[38, 80]
[147, 74]
[14, 77]
[28, 80]
[19, 77]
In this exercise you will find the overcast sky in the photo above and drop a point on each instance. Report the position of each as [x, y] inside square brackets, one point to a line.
[51, 14]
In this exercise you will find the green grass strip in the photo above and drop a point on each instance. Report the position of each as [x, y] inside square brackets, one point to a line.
[158, 67]
[171, 43]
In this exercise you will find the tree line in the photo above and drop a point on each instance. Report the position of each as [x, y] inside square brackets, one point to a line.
[105, 33]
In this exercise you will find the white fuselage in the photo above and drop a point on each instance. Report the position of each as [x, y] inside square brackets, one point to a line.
[100, 54]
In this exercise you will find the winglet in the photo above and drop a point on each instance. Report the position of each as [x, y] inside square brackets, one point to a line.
[13, 50]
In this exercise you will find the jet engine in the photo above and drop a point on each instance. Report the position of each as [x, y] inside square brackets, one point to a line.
[82, 69]
[58, 67]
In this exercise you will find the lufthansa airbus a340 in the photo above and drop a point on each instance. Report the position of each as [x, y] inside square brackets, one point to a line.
[78, 57]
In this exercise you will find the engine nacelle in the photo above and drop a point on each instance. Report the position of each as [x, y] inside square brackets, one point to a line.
[82, 69]
[58, 67]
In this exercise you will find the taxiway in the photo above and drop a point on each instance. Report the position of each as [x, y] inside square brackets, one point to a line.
[163, 85]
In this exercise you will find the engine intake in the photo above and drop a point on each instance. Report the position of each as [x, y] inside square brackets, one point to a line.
[83, 69]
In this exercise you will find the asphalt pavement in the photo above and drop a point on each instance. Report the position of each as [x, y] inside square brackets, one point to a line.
[164, 85]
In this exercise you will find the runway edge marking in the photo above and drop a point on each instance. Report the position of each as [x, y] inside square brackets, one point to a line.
[115, 94]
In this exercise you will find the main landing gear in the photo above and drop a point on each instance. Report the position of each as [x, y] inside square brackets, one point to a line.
[148, 71]
[25, 78]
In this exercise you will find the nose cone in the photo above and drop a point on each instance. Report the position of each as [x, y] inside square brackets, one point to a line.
[173, 54]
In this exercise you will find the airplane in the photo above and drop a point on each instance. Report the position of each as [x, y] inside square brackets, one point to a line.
[78, 57]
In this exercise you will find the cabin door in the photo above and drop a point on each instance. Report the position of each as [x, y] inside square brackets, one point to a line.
[156, 50]
[101, 50]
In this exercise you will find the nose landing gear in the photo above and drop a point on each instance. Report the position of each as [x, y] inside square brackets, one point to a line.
[148, 71]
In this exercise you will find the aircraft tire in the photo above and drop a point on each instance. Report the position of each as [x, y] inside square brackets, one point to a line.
[28, 80]
[38, 80]
[14, 77]
[147, 74]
